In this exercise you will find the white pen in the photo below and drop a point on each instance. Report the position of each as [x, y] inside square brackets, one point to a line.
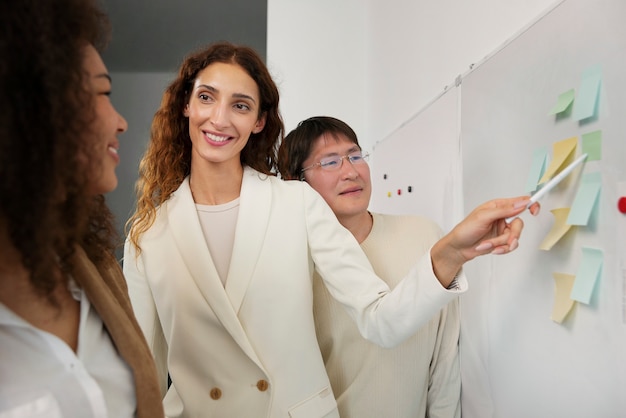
[550, 184]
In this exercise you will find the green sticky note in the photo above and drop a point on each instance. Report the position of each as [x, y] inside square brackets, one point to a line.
[592, 145]
[563, 103]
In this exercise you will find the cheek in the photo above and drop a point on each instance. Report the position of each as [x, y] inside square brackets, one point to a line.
[323, 186]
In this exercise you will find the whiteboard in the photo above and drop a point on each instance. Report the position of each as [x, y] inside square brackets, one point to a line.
[423, 154]
[516, 361]
[474, 143]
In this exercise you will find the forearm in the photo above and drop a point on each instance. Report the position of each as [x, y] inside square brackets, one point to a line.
[446, 260]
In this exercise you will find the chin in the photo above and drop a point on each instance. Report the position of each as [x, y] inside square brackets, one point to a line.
[105, 187]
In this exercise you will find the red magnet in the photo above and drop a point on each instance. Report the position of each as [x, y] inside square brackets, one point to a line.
[621, 204]
[399, 192]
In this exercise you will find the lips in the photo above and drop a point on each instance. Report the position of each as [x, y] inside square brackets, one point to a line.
[216, 138]
[112, 149]
[351, 190]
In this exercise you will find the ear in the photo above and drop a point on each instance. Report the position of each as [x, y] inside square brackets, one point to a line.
[186, 110]
[260, 124]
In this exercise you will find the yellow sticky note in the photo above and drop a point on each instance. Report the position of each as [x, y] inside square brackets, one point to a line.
[559, 228]
[562, 154]
[563, 284]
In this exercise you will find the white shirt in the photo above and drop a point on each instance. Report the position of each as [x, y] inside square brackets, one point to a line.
[41, 376]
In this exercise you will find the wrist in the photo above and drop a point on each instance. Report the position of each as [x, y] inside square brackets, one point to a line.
[446, 261]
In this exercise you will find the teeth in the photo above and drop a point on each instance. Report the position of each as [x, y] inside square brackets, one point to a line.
[113, 150]
[216, 138]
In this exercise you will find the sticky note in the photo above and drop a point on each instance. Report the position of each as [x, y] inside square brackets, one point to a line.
[563, 103]
[559, 228]
[585, 199]
[562, 155]
[587, 100]
[537, 168]
[592, 145]
[563, 284]
[587, 275]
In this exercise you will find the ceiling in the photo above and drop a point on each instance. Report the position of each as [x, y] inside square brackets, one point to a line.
[155, 35]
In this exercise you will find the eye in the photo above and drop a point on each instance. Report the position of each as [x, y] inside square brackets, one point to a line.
[356, 157]
[204, 97]
[330, 162]
[242, 106]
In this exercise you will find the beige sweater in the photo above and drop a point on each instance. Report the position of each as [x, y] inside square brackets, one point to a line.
[418, 378]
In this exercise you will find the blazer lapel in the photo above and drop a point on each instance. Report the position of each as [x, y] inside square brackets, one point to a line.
[252, 224]
[187, 232]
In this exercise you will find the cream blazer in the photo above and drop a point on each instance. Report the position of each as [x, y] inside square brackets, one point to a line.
[249, 349]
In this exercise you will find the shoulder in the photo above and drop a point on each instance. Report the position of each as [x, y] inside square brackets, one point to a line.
[293, 188]
[413, 223]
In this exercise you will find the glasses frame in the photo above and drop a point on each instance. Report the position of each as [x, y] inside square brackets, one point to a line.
[363, 156]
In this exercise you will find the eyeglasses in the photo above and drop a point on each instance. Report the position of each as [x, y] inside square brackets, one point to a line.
[335, 162]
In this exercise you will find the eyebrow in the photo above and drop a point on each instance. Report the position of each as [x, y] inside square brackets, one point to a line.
[236, 95]
[104, 75]
[355, 148]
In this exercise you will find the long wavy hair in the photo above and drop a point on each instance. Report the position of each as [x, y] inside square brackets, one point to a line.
[167, 160]
[45, 151]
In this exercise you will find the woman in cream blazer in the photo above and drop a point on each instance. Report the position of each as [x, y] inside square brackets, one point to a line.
[248, 349]
[237, 337]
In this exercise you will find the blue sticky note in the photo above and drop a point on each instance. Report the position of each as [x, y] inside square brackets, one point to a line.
[585, 199]
[587, 100]
[537, 168]
[587, 275]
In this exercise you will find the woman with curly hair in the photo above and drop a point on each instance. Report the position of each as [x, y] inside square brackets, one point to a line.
[221, 253]
[69, 343]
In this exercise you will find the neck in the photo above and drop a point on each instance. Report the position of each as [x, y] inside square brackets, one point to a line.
[215, 185]
[360, 225]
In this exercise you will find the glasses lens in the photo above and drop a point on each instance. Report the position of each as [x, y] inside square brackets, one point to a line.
[334, 162]
[358, 157]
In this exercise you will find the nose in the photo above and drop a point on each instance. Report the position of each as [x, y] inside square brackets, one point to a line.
[122, 125]
[348, 171]
[219, 116]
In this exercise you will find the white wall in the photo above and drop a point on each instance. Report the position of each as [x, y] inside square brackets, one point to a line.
[317, 55]
[374, 64]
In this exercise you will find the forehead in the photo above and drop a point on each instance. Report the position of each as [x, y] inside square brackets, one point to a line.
[227, 78]
[332, 143]
[92, 62]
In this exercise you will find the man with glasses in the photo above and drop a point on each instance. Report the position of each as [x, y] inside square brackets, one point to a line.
[420, 377]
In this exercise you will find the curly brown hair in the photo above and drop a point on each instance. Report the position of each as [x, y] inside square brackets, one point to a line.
[44, 125]
[167, 160]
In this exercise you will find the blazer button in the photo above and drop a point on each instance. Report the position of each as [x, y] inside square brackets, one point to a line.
[216, 393]
[262, 385]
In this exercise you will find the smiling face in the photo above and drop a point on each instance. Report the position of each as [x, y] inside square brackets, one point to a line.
[106, 125]
[346, 190]
[223, 112]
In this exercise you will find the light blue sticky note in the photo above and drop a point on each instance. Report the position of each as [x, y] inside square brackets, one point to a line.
[585, 199]
[565, 101]
[537, 168]
[587, 100]
[587, 275]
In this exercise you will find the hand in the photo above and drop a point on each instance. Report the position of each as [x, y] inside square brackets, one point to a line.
[483, 231]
